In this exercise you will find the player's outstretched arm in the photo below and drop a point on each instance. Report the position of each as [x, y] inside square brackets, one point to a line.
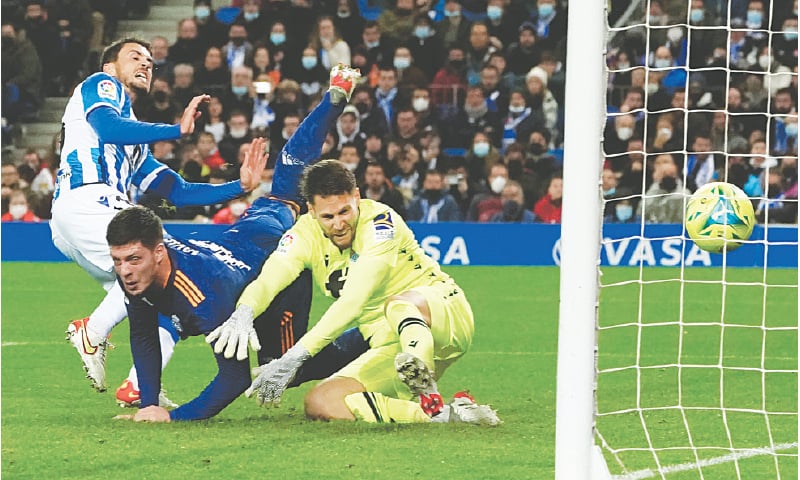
[190, 114]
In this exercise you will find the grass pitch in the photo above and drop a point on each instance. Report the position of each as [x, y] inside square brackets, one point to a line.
[54, 425]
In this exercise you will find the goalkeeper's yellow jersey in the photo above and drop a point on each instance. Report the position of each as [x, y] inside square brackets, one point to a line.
[384, 260]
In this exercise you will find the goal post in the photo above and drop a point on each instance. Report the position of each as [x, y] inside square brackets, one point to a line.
[584, 118]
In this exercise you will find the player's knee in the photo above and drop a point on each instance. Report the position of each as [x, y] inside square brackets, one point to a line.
[400, 307]
[315, 406]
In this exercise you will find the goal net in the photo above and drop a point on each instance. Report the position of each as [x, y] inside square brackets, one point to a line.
[696, 362]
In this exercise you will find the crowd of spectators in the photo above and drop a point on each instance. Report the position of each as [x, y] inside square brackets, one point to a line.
[459, 115]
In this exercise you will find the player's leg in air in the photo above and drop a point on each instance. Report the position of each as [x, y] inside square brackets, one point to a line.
[430, 334]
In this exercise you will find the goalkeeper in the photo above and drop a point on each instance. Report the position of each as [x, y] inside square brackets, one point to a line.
[416, 318]
[196, 282]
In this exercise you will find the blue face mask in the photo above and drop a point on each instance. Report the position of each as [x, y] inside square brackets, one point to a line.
[452, 13]
[624, 212]
[790, 33]
[754, 18]
[277, 38]
[309, 62]
[401, 63]
[422, 32]
[238, 90]
[546, 9]
[250, 16]
[494, 12]
[696, 15]
[372, 44]
[202, 12]
[480, 149]
[791, 129]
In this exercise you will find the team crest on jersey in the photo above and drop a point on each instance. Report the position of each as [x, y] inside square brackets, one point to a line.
[107, 89]
[285, 244]
[384, 228]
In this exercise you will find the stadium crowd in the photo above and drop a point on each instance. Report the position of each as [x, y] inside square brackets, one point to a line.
[460, 113]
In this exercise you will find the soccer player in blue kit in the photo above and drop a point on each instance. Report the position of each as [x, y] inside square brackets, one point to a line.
[104, 153]
[197, 282]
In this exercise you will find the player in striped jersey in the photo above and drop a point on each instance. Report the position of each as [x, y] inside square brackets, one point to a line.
[104, 152]
[196, 282]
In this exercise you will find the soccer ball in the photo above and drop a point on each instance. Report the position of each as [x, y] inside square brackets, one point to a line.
[719, 216]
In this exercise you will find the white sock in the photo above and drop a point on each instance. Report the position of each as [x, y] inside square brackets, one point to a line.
[167, 349]
[107, 315]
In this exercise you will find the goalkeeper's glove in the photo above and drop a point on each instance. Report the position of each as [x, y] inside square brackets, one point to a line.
[274, 377]
[233, 335]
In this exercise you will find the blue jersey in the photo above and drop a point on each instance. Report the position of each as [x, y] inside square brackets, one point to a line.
[207, 277]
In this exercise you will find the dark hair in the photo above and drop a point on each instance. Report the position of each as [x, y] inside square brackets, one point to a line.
[135, 224]
[325, 178]
[111, 52]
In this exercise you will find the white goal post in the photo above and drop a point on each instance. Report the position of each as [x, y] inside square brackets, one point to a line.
[690, 380]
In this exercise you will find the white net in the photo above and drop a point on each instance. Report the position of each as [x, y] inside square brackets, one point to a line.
[697, 364]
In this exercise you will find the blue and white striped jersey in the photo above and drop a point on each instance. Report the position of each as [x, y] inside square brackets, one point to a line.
[85, 158]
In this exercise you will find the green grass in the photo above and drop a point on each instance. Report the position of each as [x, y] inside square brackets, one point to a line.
[54, 425]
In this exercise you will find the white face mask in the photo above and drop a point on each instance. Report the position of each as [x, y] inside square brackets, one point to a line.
[665, 132]
[651, 88]
[17, 211]
[420, 104]
[662, 63]
[764, 61]
[516, 108]
[351, 166]
[238, 132]
[624, 133]
[238, 208]
[497, 184]
[674, 34]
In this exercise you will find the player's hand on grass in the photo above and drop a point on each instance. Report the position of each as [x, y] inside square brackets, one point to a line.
[153, 413]
[190, 114]
[254, 162]
[233, 335]
[274, 377]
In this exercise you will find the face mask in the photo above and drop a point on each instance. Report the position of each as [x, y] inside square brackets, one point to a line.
[480, 149]
[668, 183]
[545, 9]
[432, 195]
[674, 34]
[372, 44]
[401, 63]
[665, 132]
[791, 129]
[17, 211]
[160, 96]
[238, 41]
[655, 19]
[239, 90]
[494, 12]
[624, 133]
[238, 208]
[452, 13]
[202, 12]
[754, 18]
[651, 88]
[277, 38]
[516, 108]
[623, 65]
[343, 13]
[790, 33]
[624, 212]
[420, 104]
[422, 32]
[697, 15]
[250, 16]
[764, 61]
[309, 62]
[609, 192]
[238, 132]
[266, 187]
[351, 167]
[497, 184]
[662, 63]
[457, 64]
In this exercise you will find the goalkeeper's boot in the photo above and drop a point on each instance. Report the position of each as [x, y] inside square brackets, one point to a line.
[128, 397]
[464, 409]
[419, 379]
[343, 81]
[93, 355]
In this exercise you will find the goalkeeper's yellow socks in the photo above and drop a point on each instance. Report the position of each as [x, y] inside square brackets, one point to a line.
[378, 408]
[415, 334]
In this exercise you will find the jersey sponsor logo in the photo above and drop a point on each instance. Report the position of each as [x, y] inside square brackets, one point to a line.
[176, 245]
[384, 227]
[286, 243]
[222, 254]
[107, 89]
[289, 159]
[188, 289]
[176, 323]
